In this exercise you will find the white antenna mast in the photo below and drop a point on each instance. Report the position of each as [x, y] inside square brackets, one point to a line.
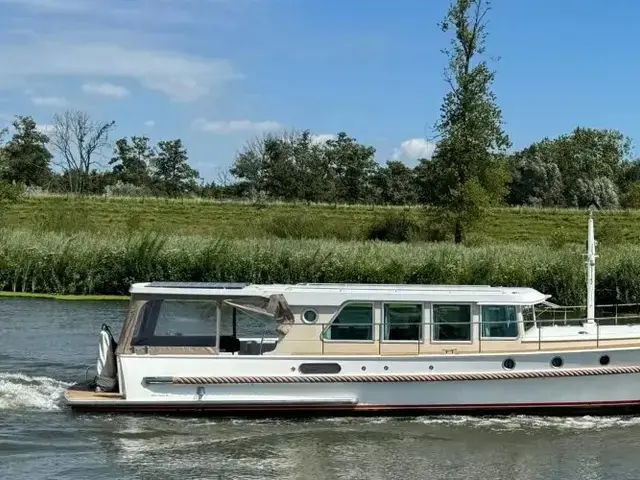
[591, 271]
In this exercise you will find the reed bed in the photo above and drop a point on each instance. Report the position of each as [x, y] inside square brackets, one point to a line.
[85, 263]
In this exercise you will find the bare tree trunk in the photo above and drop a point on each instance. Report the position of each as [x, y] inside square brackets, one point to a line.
[458, 232]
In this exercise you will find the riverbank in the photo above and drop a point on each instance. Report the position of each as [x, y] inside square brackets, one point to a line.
[243, 220]
[106, 265]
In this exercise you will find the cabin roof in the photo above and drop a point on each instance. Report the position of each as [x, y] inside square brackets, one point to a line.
[315, 294]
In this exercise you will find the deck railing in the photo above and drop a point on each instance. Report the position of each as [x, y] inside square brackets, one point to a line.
[611, 312]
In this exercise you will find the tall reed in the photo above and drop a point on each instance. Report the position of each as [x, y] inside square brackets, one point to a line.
[88, 263]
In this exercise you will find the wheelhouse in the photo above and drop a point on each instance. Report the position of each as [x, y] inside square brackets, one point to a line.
[245, 319]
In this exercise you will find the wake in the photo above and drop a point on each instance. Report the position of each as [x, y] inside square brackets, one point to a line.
[19, 392]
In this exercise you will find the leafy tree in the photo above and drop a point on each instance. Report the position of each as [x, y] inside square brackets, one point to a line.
[354, 167]
[250, 164]
[632, 197]
[471, 175]
[396, 184]
[536, 179]
[26, 159]
[314, 177]
[291, 166]
[132, 160]
[590, 153]
[171, 169]
[600, 191]
[570, 169]
[630, 175]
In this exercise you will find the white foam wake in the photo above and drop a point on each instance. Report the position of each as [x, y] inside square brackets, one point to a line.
[19, 391]
[529, 423]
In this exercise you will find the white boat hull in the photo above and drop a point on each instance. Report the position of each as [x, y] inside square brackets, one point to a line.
[408, 385]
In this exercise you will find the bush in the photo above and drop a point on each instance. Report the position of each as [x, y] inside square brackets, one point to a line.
[396, 228]
[303, 224]
[11, 192]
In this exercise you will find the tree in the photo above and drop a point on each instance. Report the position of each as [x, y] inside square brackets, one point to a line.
[287, 166]
[3, 133]
[569, 169]
[26, 159]
[79, 140]
[600, 191]
[354, 167]
[171, 169]
[632, 198]
[471, 176]
[396, 184]
[132, 161]
[249, 165]
[536, 179]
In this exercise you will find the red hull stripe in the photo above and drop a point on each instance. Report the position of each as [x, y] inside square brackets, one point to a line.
[230, 408]
[439, 377]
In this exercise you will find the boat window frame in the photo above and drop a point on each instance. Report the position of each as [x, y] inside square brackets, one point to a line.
[484, 338]
[433, 324]
[148, 303]
[423, 327]
[327, 326]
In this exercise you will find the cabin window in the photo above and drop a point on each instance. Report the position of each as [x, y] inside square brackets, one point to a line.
[452, 323]
[353, 322]
[182, 323]
[499, 321]
[402, 321]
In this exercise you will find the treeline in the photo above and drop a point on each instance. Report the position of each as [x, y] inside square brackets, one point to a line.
[587, 166]
[69, 157]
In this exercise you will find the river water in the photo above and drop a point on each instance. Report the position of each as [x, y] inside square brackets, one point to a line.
[45, 345]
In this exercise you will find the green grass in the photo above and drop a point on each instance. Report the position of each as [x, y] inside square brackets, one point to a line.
[242, 220]
[106, 264]
[78, 246]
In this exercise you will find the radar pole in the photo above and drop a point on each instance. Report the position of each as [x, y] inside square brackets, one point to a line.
[591, 271]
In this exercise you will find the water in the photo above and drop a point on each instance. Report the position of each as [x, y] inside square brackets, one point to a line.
[46, 345]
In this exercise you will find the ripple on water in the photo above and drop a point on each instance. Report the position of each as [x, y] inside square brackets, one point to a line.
[21, 392]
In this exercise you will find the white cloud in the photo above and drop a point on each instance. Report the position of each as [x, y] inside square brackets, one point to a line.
[45, 128]
[413, 149]
[321, 138]
[105, 90]
[233, 126]
[150, 123]
[49, 101]
[177, 75]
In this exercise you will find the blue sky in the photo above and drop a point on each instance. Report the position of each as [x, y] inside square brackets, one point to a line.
[218, 72]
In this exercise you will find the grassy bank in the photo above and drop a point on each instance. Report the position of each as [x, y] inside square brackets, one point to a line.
[86, 263]
[237, 220]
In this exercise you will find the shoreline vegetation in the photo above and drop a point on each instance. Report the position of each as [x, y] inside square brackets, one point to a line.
[98, 264]
[71, 214]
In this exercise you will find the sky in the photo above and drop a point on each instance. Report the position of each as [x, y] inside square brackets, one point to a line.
[216, 73]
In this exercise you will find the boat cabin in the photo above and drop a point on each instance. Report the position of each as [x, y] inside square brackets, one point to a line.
[336, 319]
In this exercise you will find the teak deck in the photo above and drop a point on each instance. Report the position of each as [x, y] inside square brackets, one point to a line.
[81, 394]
